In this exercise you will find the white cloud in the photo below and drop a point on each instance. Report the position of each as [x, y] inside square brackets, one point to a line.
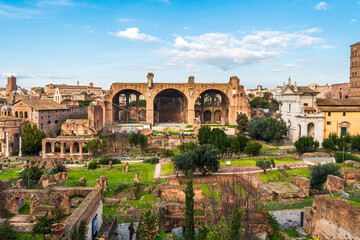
[313, 30]
[278, 70]
[306, 60]
[290, 65]
[145, 68]
[16, 12]
[124, 20]
[134, 34]
[8, 74]
[352, 20]
[322, 6]
[325, 46]
[225, 51]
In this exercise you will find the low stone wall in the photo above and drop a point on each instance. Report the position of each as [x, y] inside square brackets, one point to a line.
[331, 218]
[334, 184]
[178, 191]
[351, 175]
[90, 206]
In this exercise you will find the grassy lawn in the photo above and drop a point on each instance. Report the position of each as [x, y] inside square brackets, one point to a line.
[249, 162]
[167, 168]
[207, 191]
[145, 170]
[26, 208]
[301, 172]
[9, 173]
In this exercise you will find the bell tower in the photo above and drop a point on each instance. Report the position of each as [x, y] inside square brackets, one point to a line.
[354, 91]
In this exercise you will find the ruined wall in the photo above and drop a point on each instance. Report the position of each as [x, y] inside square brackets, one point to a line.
[331, 218]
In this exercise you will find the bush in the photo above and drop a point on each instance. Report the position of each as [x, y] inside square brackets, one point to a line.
[347, 156]
[306, 144]
[7, 231]
[92, 165]
[320, 173]
[355, 143]
[106, 160]
[253, 148]
[153, 160]
[328, 144]
[31, 176]
[166, 153]
[265, 164]
[267, 128]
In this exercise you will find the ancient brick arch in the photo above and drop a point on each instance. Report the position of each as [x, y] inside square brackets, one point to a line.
[170, 106]
[232, 92]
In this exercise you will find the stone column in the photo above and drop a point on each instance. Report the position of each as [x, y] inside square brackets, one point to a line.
[71, 148]
[81, 148]
[20, 141]
[53, 148]
[62, 150]
[7, 154]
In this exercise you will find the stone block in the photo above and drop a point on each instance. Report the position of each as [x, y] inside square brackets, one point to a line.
[83, 180]
[173, 181]
[136, 178]
[334, 184]
[303, 183]
[20, 183]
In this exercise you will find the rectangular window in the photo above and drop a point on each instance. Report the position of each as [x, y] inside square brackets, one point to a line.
[343, 131]
[328, 123]
[344, 114]
[329, 114]
[305, 104]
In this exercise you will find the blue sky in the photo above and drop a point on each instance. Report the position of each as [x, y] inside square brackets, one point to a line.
[261, 42]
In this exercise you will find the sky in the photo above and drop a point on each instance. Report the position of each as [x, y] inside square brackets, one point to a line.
[261, 42]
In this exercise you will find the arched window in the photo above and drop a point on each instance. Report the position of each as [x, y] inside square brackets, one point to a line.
[26, 115]
[16, 114]
[21, 115]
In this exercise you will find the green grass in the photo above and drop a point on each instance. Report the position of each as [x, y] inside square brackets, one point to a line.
[145, 171]
[109, 211]
[31, 237]
[146, 201]
[292, 233]
[167, 168]
[9, 173]
[301, 172]
[26, 208]
[249, 162]
[207, 191]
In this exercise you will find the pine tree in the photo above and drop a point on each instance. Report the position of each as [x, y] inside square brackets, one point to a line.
[236, 225]
[189, 209]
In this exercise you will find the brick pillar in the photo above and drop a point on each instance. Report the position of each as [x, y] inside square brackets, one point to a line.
[81, 148]
[53, 148]
[62, 150]
[71, 148]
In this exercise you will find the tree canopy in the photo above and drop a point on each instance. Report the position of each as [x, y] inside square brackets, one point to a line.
[31, 139]
[242, 123]
[267, 128]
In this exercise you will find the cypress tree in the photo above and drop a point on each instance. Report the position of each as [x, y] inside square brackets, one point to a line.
[189, 209]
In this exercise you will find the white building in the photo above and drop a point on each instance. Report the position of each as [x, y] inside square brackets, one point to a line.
[299, 110]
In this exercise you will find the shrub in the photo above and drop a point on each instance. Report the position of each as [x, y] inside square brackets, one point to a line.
[106, 160]
[320, 173]
[204, 133]
[328, 144]
[265, 164]
[92, 165]
[267, 128]
[355, 143]
[153, 160]
[166, 153]
[339, 157]
[187, 146]
[253, 148]
[121, 187]
[306, 144]
[7, 231]
[31, 176]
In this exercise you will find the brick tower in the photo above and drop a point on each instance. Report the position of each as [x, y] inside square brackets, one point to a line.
[11, 85]
[355, 71]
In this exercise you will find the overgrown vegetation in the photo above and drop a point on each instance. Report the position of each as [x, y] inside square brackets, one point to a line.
[242, 123]
[31, 176]
[306, 144]
[320, 172]
[31, 139]
[267, 128]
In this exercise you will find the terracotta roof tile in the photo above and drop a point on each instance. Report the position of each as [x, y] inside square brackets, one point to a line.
[42, 104]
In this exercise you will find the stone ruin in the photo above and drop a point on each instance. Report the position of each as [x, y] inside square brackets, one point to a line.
[43, 200]
[52, 180]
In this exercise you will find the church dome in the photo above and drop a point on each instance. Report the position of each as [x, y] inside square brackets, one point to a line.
[6, 108]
